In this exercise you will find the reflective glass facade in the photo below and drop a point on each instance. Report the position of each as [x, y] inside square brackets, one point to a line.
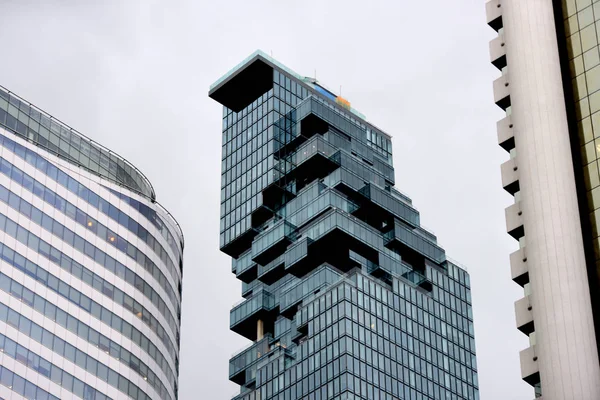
[53, 136]
[90, 268]
[345, 295]
[581, 24]
[581, 45]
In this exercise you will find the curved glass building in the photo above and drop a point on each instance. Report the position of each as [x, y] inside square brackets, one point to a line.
[346, 295]
[90, 268]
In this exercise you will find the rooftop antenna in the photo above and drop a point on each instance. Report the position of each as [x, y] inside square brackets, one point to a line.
[271, 53]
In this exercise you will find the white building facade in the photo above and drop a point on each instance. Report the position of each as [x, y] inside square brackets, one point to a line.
[539, 51]
[90, 268]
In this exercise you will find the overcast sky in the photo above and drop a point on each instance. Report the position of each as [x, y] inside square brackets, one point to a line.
[134, 76]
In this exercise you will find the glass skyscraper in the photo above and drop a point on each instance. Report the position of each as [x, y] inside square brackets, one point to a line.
[345, 295]
[90, 268]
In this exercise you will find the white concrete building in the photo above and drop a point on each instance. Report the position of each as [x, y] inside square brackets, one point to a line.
[548, 53]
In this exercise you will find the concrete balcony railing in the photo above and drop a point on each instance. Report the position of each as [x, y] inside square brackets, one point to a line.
[530, 370]
[498, 52]
[524, 316]
[510, 176]
[519, 269]
[493, 11]
[502, 92]
[506, 133]
[514, 221]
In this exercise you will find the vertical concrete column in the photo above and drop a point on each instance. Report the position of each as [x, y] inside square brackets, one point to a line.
[260, 330]
[566, 347]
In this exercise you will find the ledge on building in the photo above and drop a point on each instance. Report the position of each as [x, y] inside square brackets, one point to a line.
[244, 85]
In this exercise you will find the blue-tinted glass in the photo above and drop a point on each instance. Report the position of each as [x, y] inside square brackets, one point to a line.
[344, 292]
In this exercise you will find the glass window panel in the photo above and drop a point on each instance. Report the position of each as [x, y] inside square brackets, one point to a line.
[591, 175]
[583, 108]
[591, 58]
[585, 17]
[18, 384]
[574, 45]
[588, 38]
[580, 87]
[593, 79]
[595, 128]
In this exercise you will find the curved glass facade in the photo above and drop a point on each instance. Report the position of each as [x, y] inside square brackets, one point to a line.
[90, 268]
[53, 136]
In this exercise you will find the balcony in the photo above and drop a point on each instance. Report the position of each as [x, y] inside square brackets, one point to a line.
[330, 237]
[244, 317]
[272, 271]
[412, 247]
[514, 221]
[297, 255]
[380, 272]
[493, 11]
[313, 159]
[519, 269]
[506, 133]
[510, 176]
[243, 360]
[311, 204]
[377, 204]
[263, 212]
[314, 107]
[502, 92]
[299, 292]
[272, 242]
[291, 132]
[249, 288]
[530, 370]
[248, 274]
[245, 269]
[524, 316]
[240, 244]
[312, 125]
[498, 52]
[418, 280]
[400, 195]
